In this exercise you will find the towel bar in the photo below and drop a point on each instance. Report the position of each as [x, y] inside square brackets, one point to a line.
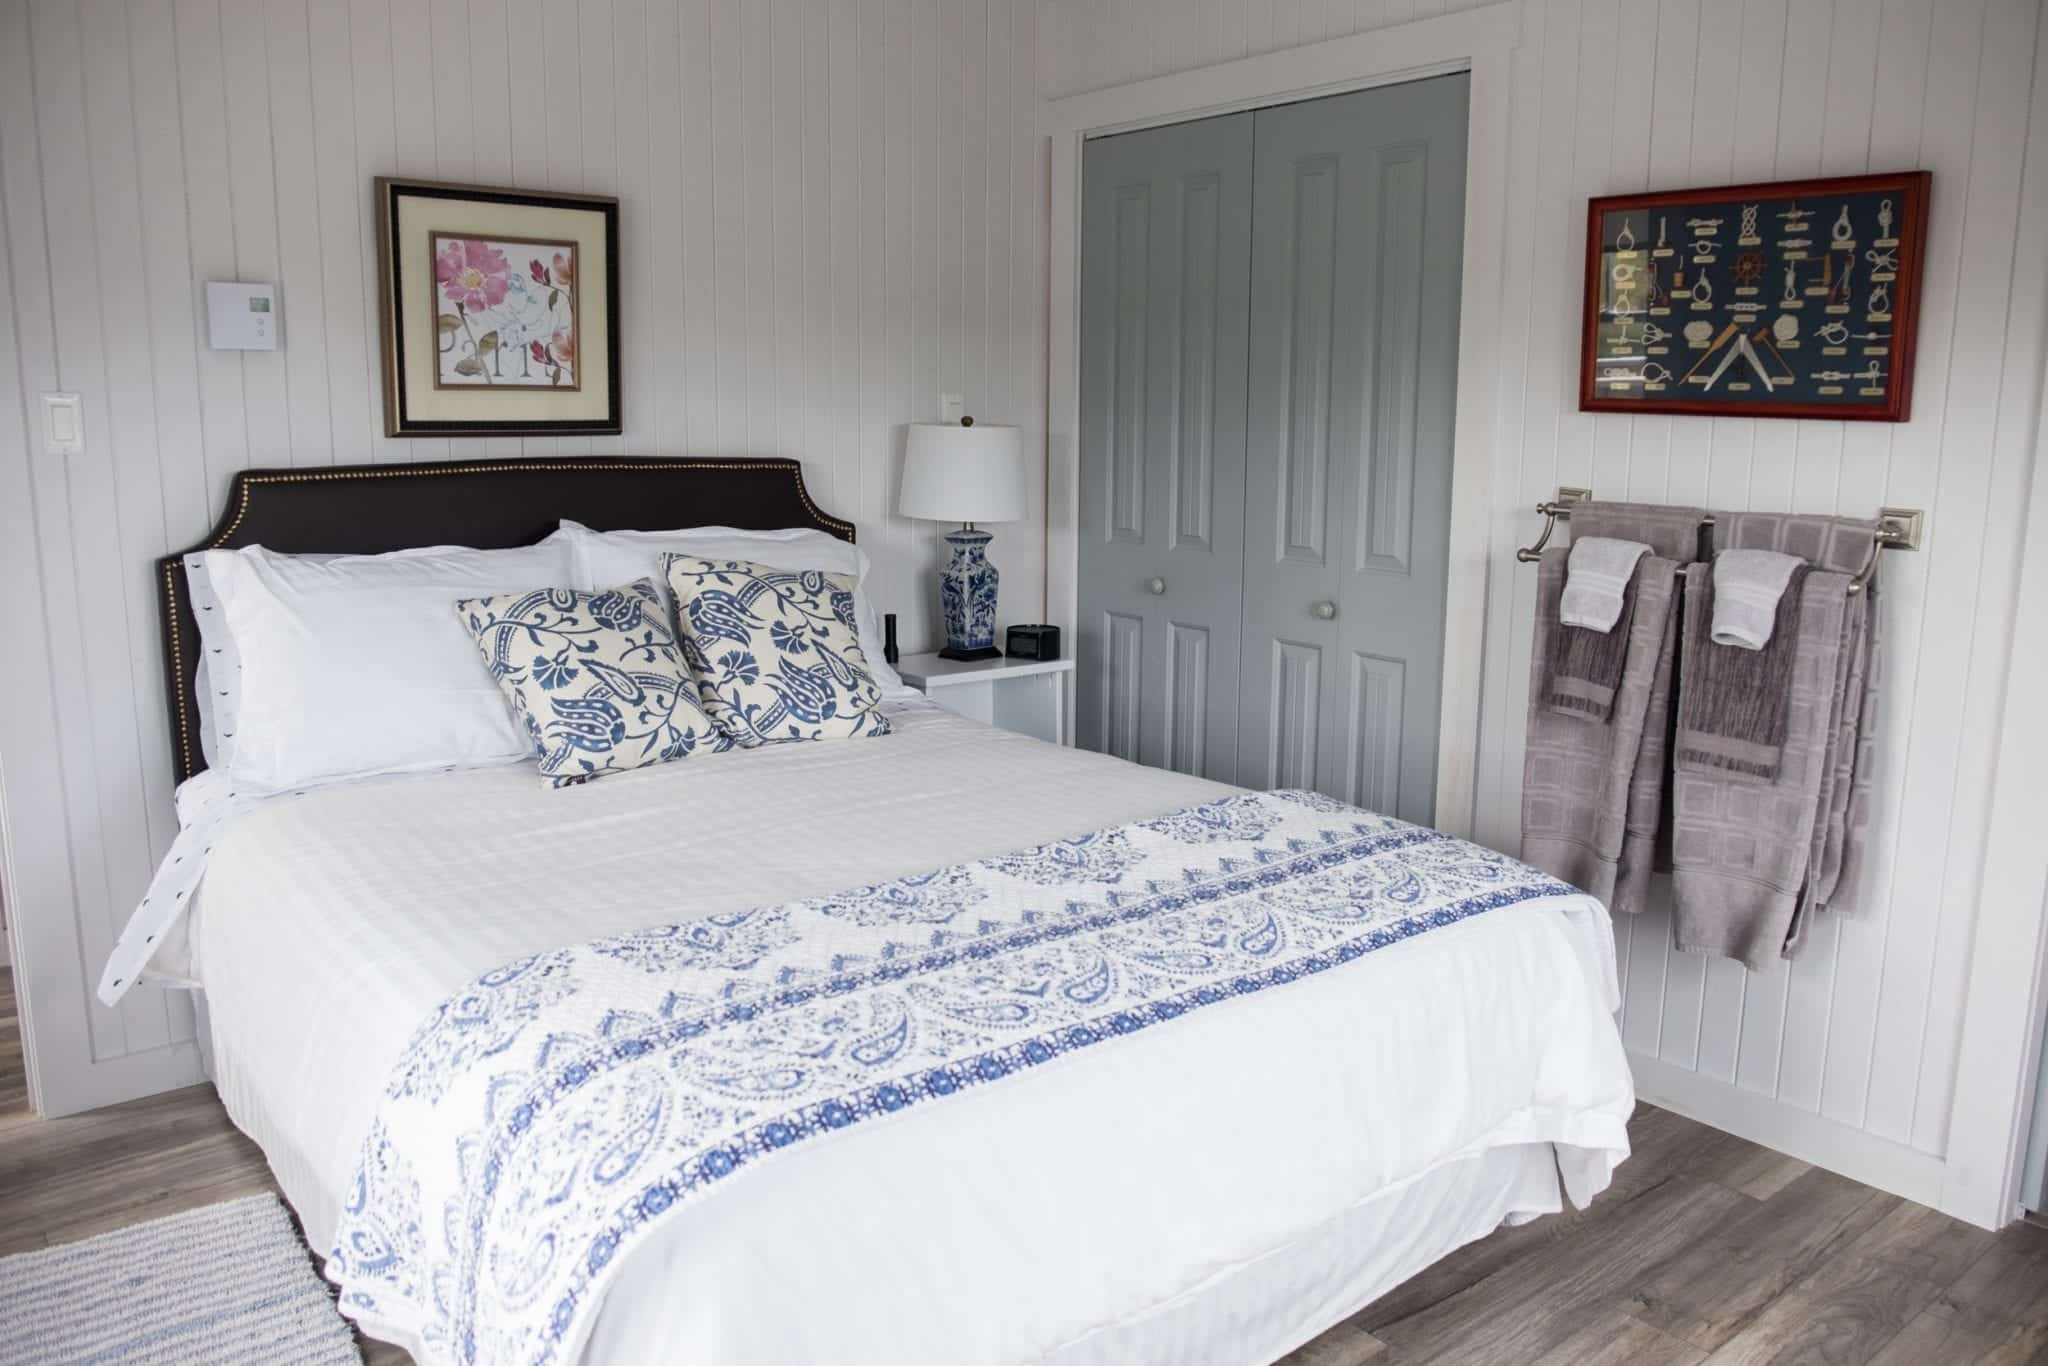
[1897, 529]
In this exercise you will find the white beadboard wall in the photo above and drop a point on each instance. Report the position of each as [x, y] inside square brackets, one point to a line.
[832, 212]
[1851, 1052]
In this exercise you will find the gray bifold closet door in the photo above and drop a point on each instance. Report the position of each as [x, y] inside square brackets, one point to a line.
[1165, 269]
[1316, 620]
[1357, 237]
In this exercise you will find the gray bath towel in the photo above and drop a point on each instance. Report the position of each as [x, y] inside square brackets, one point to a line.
[1732, 699]
[1740, 848]
[1842, 544]
[1577, 773]
[1672, 533]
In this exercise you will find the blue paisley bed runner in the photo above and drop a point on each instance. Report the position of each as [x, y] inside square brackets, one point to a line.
[555, 1110]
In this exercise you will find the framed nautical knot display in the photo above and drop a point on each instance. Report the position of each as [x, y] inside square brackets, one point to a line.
[500, 310]
[1792, 299]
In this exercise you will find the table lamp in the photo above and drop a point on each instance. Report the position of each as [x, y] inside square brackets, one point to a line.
[965, 474]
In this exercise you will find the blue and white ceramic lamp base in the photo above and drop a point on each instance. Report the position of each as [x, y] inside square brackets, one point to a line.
[967, 590]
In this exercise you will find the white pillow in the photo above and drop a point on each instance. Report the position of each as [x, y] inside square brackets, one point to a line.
[358, 664]
[605, 558]
[217, 679]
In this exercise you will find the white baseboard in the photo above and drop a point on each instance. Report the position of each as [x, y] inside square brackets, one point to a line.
[1860, 1156]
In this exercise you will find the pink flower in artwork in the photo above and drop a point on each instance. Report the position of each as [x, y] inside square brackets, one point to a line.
[563, 348]
[565, 270]
[538, 271]
[472, 274]
[538, 352]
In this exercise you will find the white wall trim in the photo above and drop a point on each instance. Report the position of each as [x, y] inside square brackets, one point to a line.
[1478, 41]
[1860, 1156]
[2003, 1006]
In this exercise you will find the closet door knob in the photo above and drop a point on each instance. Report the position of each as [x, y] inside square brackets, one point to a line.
[1155, 586]
[1325, 609]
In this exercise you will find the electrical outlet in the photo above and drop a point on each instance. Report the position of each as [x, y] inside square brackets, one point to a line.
[952, 407]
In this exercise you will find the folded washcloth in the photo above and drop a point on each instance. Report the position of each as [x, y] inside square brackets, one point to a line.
[1595, 577]
[1747, 587]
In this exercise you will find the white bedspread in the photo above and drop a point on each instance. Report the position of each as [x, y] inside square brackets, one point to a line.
[1057, 1213]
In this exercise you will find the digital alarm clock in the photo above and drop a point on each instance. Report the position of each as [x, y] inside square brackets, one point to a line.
[1033, 642]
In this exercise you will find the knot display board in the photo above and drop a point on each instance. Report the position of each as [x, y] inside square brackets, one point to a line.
[1792, 299]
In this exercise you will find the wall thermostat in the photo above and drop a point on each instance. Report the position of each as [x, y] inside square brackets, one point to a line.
[241, 317]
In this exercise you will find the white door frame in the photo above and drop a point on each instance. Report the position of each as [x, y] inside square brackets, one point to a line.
[1479, 41]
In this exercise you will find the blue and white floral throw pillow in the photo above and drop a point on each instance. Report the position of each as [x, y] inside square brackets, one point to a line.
[776, 653]
[597, 678]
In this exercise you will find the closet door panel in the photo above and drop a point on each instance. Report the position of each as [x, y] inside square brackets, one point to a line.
[1166, 242]
[1394, 575]
[1306, 333]
[1297, 379]
[1357, 224]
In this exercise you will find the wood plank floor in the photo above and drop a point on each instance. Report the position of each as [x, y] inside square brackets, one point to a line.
[1705, 1249]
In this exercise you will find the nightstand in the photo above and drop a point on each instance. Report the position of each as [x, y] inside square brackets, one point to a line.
[1024, 695]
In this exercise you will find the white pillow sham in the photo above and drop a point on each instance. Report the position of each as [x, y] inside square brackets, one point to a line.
[357, 665]
[217, 679]
[604, 558]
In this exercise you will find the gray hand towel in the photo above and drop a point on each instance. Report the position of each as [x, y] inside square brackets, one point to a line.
[1644, 846]
[1672, 533]
[1578, 788]
[1584, 664]
[1741, 848]
[1732, 699]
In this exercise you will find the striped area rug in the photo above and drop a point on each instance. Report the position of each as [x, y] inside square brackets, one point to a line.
[230, 1282]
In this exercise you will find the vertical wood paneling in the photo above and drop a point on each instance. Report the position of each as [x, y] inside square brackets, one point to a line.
[830, 212]
[1610, 95]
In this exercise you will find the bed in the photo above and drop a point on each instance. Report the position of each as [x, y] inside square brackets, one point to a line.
[1221, 1184]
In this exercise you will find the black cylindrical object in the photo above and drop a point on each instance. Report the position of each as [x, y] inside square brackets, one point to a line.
[889, 637]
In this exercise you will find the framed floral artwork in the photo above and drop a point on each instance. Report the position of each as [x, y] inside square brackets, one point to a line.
[500, 310]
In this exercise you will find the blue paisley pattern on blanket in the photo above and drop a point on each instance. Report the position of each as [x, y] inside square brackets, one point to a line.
[551, 1113]
[596, 678]
[775, 653]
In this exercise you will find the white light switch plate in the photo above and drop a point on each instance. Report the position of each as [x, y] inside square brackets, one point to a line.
[241, 317]
[63, 424]
[951, 408]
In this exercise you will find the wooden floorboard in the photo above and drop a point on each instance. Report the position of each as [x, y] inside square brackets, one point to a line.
[1705, 1249]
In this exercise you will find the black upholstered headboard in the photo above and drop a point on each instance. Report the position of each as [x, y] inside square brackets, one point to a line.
[370, 509]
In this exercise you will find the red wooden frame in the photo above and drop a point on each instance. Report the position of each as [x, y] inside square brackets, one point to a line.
[1914, 191]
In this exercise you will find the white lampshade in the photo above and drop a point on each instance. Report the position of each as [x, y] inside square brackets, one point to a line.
[963, 474]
